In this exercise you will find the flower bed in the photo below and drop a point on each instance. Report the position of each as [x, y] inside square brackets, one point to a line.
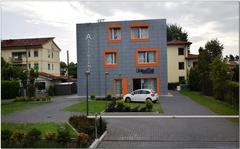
[121, 106]
[34, 138]
[86, 126]
[26, 98]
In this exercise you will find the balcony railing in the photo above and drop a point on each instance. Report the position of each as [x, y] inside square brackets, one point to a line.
[16, 59]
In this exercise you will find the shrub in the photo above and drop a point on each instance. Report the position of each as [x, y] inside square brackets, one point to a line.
[173, 86]
[127, 108]
[108, 97]
[6, 135]
[63, 135]
[82, 139]
[143, 109]
[9, 89]
[232, 93]
[21, 99]
[18, 137]
[48, 98]
[120, 105]
[50, 136]
[135, 109]
[51, 91]
[83, 124]
[149, 105]
[93, 96]
[32, 137]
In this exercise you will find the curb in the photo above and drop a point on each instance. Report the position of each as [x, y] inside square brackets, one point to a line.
[129, 113]
[97, 141]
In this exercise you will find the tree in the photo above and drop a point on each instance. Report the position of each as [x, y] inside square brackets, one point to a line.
[73, 70]
[175, 32]
[220, 75]
[193, 78]
[213, 49]
[231, 57]
[236, 57]
[63, 68]
[236, 73]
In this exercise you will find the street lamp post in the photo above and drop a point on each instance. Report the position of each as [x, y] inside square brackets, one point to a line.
[87, 74]
[106, 74]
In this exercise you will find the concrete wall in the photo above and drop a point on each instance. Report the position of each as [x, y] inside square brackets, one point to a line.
[126, 55]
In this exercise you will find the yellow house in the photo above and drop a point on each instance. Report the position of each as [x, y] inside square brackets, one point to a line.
[38, 53]
[179, 60]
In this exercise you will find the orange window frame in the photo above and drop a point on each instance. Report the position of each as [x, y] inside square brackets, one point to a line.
[147, 50]
[157, 79]
[135, 25]
[112, 26]
[105, 58]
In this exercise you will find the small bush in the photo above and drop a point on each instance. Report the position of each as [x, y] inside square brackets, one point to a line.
[149, 105]
[173, 86]
[63, 135]
[32, 137]
[18, 137]
[6, 135]
[135, 109]
[108, 97]
[50, 136]
[82, 139]
[48, 98]
[143, 109]
[9, 89]
[127, 108]
[51, 91]
[21, 99]
[92, 96]
[120, 105]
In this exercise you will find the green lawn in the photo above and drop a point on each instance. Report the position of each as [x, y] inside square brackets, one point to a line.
[43, 127]
[11, 107]
[94, 106]
[99, 106]
[214, 105]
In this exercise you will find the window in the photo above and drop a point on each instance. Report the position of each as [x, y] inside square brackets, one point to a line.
[147, 57]
[48, 66]
[139, 32]
[49, 54]
[35, 53]
[181, 79]
[52, 66]
[36, 66]
[114, 33]
[18, 55]
[180, 51]
[110, 58]
[180, 65]
[29, 53]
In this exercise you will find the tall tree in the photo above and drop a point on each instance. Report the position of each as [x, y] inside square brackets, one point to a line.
[176, 32]
[73, 69]
[63, 68]
[213, 49]
[231, 57]
[220, 74]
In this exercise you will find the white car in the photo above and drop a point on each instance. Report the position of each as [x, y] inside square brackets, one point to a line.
[141, 95]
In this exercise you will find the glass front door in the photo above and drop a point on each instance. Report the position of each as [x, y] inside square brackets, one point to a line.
[118, 87]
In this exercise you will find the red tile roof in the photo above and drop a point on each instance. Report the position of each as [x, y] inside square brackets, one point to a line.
[50, 76]
[178, 42]
[25, 42]
[192, 56]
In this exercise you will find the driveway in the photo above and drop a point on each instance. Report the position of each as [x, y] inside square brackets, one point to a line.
[51, 112]
[173, 133]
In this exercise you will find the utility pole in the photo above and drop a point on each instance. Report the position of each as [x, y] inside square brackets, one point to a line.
[67, 64]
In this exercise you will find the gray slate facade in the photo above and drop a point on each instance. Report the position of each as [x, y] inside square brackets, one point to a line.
[125, 56]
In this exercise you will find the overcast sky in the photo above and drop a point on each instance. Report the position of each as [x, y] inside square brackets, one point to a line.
[202, 20]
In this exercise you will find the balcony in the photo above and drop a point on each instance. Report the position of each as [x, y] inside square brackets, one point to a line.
[16, 59]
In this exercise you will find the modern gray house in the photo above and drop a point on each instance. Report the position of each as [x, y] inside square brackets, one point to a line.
[122, 56]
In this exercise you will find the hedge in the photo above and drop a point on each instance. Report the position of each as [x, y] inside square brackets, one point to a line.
[9, 89]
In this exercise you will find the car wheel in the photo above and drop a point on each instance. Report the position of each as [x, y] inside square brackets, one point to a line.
[128, 99]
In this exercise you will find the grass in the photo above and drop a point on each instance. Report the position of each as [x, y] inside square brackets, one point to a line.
[94, 106]
[43, 127]
[211, 103]
[99, 106]
[11, 107]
